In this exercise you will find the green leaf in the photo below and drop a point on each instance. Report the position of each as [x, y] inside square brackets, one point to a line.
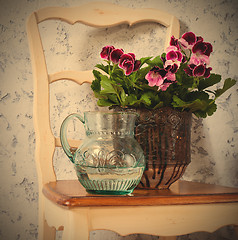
[200, 114]
[166, 96]
[227, 84]
[103, 67]
[104, 103]
[193, 106]
[99, 95]
[208, 82]
[197, 95]
[159, 105]
[96, 85]
[123, 95]
[131, 100]
[163, 55]
[131, 79]
[157, 61]
[211, 109]
[145, 98]
[107, 86]
[143, 71]
[113, 98]
[117, 75]
[144, 60]
[97, 74]
[201, 108]
[183, 79]
[178, 102]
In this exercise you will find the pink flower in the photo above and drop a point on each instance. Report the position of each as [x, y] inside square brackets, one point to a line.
[164, 86]
[160, 77]
[188, 40]
[171, 48]
[169, 79]
[156, 76]
[128, 63]
[106, 51]
[201, 52]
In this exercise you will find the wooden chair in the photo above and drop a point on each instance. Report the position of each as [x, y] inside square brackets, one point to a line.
[65, 205]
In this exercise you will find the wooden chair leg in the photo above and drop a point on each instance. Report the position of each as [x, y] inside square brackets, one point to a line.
[45, 232]
[49, 232]
[77, 227]
[168, 238]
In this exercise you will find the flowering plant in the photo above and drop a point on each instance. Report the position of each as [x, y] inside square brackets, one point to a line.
[180, 78]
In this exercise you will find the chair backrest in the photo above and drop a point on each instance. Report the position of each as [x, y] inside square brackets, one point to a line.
[95, 14]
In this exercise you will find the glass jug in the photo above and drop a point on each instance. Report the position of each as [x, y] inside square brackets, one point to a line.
[109, 160]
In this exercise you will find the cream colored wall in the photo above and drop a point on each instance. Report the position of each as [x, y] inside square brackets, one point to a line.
[214, 145]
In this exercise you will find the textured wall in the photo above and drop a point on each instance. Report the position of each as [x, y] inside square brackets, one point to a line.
[214, 145]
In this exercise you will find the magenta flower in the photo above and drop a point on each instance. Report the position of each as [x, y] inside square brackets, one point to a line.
[199, 38]
[136, 62]
[106, 51]
[174, 42]
[173, 60]
[201, 52]
[128, 63]
[136, 65]
[133, 56]
[202, 47]
[198, 71]
[188, 40]
[207, 72]
[115, 55]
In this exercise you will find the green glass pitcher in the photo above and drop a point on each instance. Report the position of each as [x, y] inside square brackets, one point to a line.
[109, 160]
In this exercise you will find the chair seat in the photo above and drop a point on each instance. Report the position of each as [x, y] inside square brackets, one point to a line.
[70, 193]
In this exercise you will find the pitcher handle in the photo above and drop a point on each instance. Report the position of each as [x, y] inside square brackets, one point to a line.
[63, 135]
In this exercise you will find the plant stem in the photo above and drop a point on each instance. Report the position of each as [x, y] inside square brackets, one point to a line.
[109, 69]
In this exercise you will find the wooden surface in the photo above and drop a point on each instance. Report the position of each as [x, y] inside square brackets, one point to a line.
[70, 193]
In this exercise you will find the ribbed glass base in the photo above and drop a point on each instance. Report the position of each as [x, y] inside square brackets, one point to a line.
[109, 181]
[105, 192]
